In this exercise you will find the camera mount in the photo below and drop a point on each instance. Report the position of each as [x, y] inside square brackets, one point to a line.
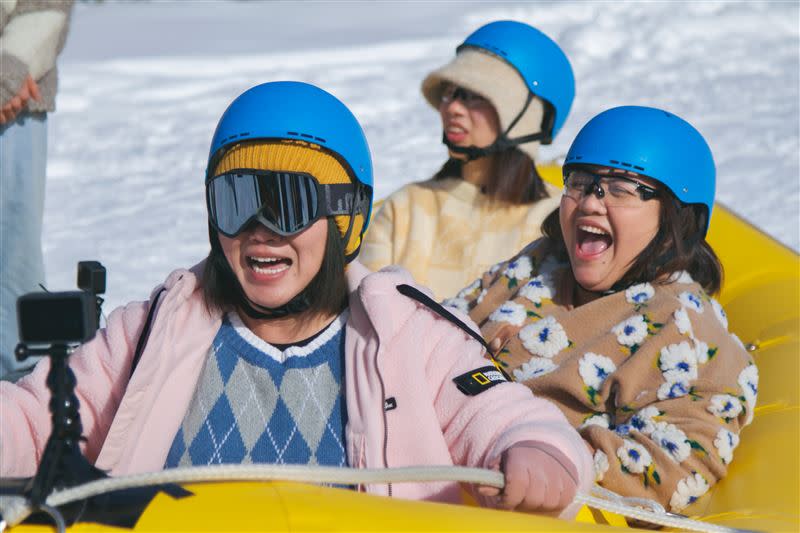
[63, 464]
[53, 324]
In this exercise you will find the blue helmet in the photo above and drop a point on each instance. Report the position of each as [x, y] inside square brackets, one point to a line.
[298, 111]
[538, 59]
[654, 143]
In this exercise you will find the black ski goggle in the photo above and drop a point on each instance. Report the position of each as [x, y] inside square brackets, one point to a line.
[285, 202]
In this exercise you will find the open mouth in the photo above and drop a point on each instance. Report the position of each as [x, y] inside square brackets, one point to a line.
[455, 133]
[592, 241]
[268, 265]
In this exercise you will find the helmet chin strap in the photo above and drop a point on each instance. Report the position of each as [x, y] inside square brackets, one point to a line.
[501, 143]
[611, 290]
[296, 305]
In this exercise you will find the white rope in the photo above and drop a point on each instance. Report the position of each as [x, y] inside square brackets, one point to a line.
[604, 493]
[15, 510]
[631, 508]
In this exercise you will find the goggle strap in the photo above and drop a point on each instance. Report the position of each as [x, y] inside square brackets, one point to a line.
[360, 206]
[339, 199]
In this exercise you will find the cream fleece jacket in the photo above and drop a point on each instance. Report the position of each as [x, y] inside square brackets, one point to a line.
[447, 233]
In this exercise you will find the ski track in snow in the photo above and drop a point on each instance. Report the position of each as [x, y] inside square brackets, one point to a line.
[129, 141]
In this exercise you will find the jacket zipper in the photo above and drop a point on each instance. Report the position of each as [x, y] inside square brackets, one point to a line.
[385, 420]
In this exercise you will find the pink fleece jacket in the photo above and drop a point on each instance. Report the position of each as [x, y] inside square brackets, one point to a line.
[394, 348]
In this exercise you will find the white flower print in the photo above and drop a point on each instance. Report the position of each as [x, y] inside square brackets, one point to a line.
[725, 406]
[600, 465]
[672, 440]
[719, 312]
[681, 276]
[644, 420]
[701, 351]
[519, 268]
[623, 430]
[748, 381]
[469, 289]
[457, 303]
[594, 369]
[545, 337]
[510, 312]
[725, 443]
[678, 362]
[631, 331]
[687, 492]
[536, 367]
[639, 293]
[538, 288]
[597, 420]
[690, 300]
[635, 458]
[683, 322]
[672, 390]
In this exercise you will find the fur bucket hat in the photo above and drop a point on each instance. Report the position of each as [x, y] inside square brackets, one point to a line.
[497, 81]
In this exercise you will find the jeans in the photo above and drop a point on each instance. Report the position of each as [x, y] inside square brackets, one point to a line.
[23, 161]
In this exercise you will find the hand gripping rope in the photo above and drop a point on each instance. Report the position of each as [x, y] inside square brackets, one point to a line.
[16, 509]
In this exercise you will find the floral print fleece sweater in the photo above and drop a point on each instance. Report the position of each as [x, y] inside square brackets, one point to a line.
[650, 376]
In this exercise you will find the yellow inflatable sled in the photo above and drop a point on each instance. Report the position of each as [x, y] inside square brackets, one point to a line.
[761, 295]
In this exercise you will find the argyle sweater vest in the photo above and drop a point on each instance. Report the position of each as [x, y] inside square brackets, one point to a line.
[255, 403]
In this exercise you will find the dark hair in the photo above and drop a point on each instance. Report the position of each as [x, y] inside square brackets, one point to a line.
[514, 177]
[678, 245]
[327, 291]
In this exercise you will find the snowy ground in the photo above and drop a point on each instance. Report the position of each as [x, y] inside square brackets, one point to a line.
[143, 84]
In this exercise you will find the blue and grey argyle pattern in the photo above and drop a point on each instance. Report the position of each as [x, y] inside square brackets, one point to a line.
[256, 404]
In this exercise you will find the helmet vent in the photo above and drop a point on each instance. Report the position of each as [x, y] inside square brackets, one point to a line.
[624, 164]
[232, 137]
[305, 135]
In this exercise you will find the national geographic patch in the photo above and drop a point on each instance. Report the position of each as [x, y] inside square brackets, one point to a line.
[478, 380]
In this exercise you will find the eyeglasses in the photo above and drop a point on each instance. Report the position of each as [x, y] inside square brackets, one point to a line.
[451, 91]
[285, 202]
[614, 191]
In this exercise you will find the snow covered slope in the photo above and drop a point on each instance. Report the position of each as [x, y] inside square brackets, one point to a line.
[143, 84]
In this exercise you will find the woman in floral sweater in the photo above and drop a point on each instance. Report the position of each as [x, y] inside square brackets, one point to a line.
[610, 316]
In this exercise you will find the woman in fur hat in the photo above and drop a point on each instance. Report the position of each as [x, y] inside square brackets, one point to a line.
[508, 89]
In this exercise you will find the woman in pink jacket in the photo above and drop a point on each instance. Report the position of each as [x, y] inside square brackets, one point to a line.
[280, 348]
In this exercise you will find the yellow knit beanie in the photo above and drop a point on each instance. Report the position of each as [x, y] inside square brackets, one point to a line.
[295, 156]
